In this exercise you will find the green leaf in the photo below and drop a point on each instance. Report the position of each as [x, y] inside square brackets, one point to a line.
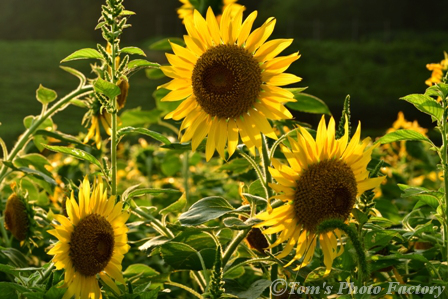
[378, 239]
[107, 88]
[184, 257]
[255, 290]
[29, 120]
[138, 117]
[204, 210]
[75, 152]
[10, 285]
[171, 164]
[176, 206]
[237, 166]
[143, 191]
[40, 174]
[133, 50]
[235, 223]
[85, 53]
[402, 135]
[142, 63]
[425, 104]
[140, 270]
[59, 136]
[45, 95]
[195, 238]
[129, 130]
[307, 103]
[164, 44]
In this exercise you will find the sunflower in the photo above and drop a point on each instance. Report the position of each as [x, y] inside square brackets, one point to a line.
[228, 79]
[437, 71]
[92, 240]
[16, 217]
[187, 8]
[322, 181]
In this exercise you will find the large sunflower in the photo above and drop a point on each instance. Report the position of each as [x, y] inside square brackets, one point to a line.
[187, 8]
[92, 241]
[228, 79]
[322, 181]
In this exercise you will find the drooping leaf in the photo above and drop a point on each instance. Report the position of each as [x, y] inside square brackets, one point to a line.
[75, 152]
[143, 191]
[129, 130]
[45, 95]
[138, 117]
[40, 174]
[140, 269]
[176, 206]
[85, 53]
[184, 257]
[141, 63]
[107, 88]
[403, 135]
[425, 104]
[133, 50]
[59, 136]
[308, 103]
[206, 209]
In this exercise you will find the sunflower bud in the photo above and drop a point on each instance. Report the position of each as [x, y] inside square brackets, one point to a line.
[16, 219]
[124, 87]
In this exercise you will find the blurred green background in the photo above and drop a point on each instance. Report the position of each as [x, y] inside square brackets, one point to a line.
[374, 50]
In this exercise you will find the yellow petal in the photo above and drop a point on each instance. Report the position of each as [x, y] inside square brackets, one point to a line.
[246, 28]
[271, 49]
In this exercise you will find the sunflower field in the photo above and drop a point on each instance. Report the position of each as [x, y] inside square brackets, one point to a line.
[222, 190]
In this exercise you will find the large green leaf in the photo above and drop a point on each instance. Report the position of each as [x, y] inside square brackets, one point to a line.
[184, 257]
[176, 206]
[129, 130]
[206, 209]
[83, 54]
[138, 117]
[255, 290]
[403, 135]
[133, 50]
[425, 104]
[75, 152]
[308, 103]
[45, 95]
[107, 88]
[140, 269]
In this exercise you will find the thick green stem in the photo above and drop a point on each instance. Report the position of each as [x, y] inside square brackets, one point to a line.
[27, 135]
[233, 245]
[113, 153]
[186, 174]
[444, 162]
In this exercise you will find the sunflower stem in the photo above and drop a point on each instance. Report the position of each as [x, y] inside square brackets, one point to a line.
[45, 274]
[331, 224]
[266, 163]
[113, 153]
[186, 173]
[233, 245]
[257, 169]
[27, 135]
[444, 161]
[179, 285]
[137, 210]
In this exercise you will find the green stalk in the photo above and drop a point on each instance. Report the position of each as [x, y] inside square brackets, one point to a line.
[155, 221]
[186, 174]
[444, 162]
[113, 152]
[190, 290]
[265, 157]
[27, 135]
[233, 245]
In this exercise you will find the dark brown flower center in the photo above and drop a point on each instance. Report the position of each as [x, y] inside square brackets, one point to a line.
[16, 219]
[92, 245]
[226, 81]
[325, 190]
